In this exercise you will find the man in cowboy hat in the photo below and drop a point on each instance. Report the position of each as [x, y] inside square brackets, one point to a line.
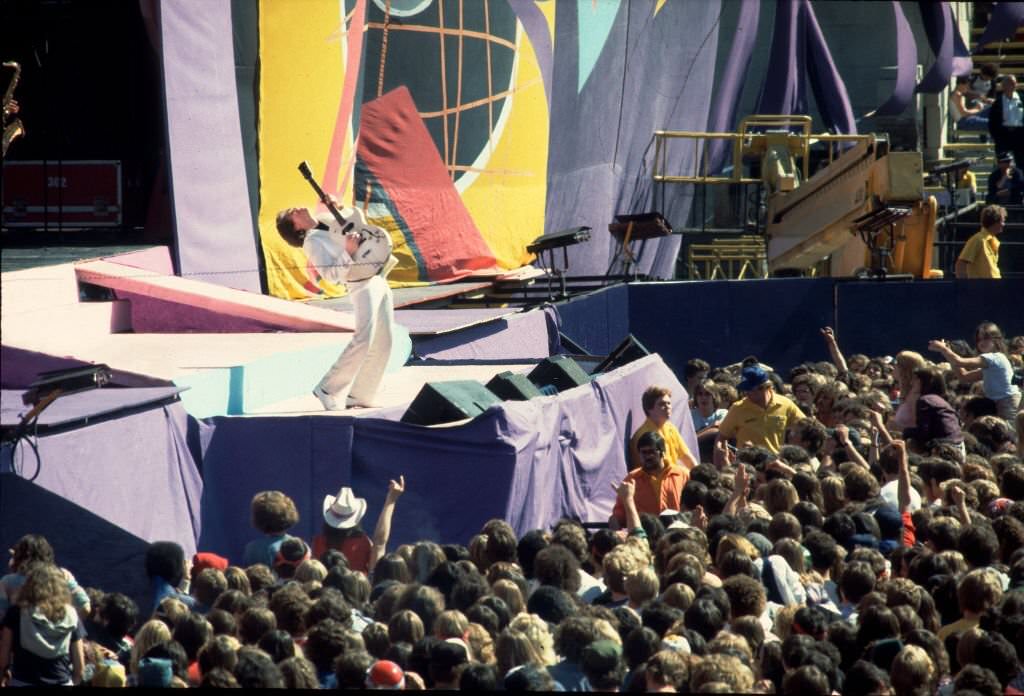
[760, 418]
[341, 530]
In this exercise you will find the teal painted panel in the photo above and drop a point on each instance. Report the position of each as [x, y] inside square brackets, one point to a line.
[596, 18]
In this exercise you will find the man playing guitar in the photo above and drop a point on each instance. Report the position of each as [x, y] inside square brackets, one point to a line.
[344, 249]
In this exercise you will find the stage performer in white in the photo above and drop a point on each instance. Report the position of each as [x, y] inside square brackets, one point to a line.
[358, 255]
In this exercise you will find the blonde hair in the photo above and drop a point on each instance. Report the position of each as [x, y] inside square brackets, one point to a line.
[310, 570]
[726, 641]
[536, 629]
[735, 542]
[906, 362]
[642, 586]
[153, 633]
[481, 645]
[619, 564]
[678, 595]
[405, 626]
[46, 590]
[606, 631]
[513, 649]
[450, 624]
[784, 621]
[979, 590]
[833, 493]
[780, 495]
[173, 609]
[722, 668]
[509, 591]
[912, 672]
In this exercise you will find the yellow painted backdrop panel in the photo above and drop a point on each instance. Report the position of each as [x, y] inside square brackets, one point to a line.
[302, 74]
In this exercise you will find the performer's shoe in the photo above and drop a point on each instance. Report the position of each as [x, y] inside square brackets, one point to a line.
[329, 402]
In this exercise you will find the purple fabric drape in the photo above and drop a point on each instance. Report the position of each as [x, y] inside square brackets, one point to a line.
[654, 71]
[783, 88]
[536, 27]
[135, 471]
[951, 57]
[727, 95]
[214, 230]
[1006, 18]
[528, 462]
[827, 85]
[798, 49]
[906, 65]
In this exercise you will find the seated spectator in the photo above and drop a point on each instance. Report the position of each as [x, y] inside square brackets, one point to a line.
[965, 115]
[1005, 182]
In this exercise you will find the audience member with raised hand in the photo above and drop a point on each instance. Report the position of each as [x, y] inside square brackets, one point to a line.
[833, 349]
[812, 566]
[341, 530]
[659, 480]
[991, 367]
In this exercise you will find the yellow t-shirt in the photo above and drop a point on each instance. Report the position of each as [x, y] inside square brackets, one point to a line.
[764, 427]
[676, 450]
[981, 253]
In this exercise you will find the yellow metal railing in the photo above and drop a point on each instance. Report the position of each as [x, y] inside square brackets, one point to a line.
[736, 259]
[745, 140]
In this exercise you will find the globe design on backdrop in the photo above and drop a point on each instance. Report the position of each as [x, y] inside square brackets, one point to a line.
[461, 102]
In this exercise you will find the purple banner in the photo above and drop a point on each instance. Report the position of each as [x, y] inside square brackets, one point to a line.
[214, 226]
[735, 73]
[906, 66]
[783, 88]
[1006, 18]
[829, 89]
[951, 57]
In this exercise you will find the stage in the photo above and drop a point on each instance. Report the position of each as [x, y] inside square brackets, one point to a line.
[210, 403]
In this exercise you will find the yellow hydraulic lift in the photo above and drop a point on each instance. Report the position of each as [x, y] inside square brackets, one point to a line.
[811, 218]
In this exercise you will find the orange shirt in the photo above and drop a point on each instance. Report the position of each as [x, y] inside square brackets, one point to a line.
[654, 494]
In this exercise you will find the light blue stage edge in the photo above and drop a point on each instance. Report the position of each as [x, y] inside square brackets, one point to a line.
[241, 389]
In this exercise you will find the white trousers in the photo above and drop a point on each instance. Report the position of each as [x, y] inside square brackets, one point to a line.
[359, 369]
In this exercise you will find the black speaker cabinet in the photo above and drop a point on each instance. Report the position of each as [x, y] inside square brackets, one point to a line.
[626, 352]
[512, 386]
[445, 402]
[559, 371]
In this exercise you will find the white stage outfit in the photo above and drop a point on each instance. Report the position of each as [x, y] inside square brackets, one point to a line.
[359, 370]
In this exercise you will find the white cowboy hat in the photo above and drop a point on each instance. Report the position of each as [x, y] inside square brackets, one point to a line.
[343, 510]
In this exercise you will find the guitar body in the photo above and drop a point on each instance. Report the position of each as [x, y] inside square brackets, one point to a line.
[374, 246]
[374, 250]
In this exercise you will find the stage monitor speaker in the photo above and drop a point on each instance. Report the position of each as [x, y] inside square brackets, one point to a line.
[626, 352]
[560, 372]
[445, 402]
[511, 386]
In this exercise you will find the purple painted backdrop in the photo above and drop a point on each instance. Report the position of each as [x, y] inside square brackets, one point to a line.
[653, 72]
[214, 229]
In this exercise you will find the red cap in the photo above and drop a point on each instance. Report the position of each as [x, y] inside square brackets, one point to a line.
[204, 560]
[384, 674]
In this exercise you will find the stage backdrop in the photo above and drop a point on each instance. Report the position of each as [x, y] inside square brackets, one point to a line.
[447, 119]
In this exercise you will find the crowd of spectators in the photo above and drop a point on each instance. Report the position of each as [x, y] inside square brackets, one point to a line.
[877, 548]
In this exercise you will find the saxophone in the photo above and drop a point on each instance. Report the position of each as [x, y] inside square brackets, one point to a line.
[13, 127]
